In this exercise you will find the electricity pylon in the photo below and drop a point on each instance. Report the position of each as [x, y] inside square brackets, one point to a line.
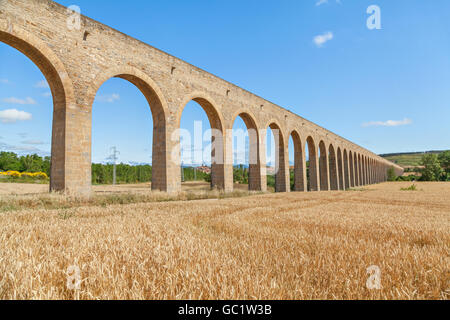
[114, 158]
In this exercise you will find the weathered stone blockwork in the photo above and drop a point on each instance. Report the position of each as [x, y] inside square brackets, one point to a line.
[77, 62]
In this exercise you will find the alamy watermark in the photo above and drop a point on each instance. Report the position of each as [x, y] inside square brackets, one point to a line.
[374, 20]
[73, 278]
[374, 280]
[74, 18]
[209, 146]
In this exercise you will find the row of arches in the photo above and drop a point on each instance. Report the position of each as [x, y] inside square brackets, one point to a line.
[318, 165]
[331, 167]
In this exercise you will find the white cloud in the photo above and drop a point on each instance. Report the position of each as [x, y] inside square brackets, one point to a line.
[109, 98]
[4, 81]
[389, 123]
[13, 115]
[33, 142]
[14, 100]
[42, 84]
[320, 40]
[47, 94]
[321, 2]
[23, 150]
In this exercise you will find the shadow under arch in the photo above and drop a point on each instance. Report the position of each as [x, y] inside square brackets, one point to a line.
[218, 175]
[313, 169]
[364, 169]
[299, 163]
[362, 165]
[372, 171]
[357, 170]
[281, 183]
[323, 166]
[159, 110]
[368, 170]
[333, 168]
[61, 89]
[254, 175]
[352, 169]
[340, 168]
[346, 171]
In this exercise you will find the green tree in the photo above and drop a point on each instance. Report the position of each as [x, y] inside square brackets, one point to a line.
[391, 176]
[103, 173]
[9, 161]
[240, 174]
[46, 165]
[432, 170]
[292, 179]
[444, 160]
[271, 181]
[31, 163]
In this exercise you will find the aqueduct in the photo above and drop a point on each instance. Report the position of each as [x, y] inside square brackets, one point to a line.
[77, 61]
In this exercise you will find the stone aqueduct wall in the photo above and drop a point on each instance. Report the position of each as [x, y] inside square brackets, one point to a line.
[77, 62]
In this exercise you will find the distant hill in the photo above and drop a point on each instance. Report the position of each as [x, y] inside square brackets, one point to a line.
[409, 159]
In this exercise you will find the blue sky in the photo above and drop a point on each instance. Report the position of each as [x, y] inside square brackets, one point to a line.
[387, 90]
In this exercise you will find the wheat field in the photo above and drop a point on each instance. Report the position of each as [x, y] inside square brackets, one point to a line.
[274, 246]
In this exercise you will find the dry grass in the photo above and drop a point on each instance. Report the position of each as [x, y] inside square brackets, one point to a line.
[15, 189]
[279, 246]
[33, 196]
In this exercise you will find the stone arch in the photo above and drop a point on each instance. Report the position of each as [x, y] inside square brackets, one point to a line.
[362, 166]
[360, 179]
[371, 171]
[380, 171]
[212, 109]
[356, 168]
[140, 79]
[352, 169]
[366, 162]
[346, 170]
[371, 167]
[366, 180]
[299, 163]
[341, 171]
[313, 170]
[364, 158]
[281, 168]
[323, 167]
[375, 171]
[333, 168]
[159, 110]
[63, 97]
[255, 173]
[375, 167]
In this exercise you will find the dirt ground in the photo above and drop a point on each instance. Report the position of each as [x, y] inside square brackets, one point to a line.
[30, 189]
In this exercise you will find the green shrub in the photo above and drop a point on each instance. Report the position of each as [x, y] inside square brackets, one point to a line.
[411, 188]
[391, 176]
[271, 181]
[240, 174]
[433, 169]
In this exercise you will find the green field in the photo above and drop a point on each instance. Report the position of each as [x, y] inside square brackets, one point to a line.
[407, 159]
